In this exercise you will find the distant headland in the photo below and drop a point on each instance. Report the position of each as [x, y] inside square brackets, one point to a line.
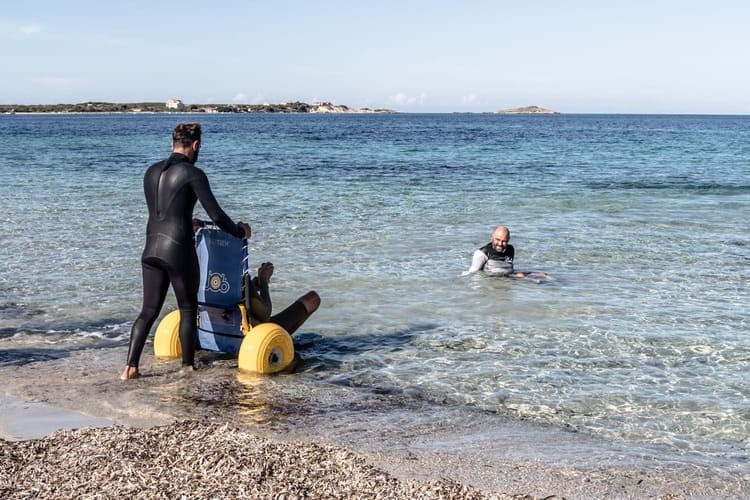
[177, 106]
[527, 110]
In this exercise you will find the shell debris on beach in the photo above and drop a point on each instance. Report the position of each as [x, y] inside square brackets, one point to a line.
[198, 460]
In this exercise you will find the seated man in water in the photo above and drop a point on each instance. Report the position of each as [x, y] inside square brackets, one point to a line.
[259, 301]
[496, 258]
[291, 318]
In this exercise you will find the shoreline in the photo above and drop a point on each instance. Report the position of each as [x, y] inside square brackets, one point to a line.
[53, 438]
[177, 106]
[22, 420]
[294, 113]
[506, 461]
[200, 460]
[190, 113]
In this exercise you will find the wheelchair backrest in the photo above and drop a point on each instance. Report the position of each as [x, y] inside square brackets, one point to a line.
[223, 261]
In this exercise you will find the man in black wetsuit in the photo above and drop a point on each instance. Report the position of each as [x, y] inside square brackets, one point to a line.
[172, 187]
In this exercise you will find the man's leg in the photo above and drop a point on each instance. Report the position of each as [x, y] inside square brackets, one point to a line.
[155, 286]
[291, 318]
[185, 286]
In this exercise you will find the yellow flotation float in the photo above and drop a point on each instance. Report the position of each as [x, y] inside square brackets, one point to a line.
[266, 348]
[167, 337]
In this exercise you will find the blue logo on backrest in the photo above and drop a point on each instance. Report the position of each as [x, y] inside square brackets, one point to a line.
[217, 282]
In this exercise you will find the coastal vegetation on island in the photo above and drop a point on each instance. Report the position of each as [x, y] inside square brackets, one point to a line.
[176, 106]
[527, 110]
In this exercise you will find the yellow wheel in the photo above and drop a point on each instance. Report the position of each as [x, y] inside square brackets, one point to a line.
[268, 348]
[167, 337]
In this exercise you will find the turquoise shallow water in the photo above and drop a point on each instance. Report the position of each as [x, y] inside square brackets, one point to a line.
[642, 221]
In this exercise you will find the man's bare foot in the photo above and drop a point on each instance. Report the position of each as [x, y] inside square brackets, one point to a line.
[129, 373]
[187, 369]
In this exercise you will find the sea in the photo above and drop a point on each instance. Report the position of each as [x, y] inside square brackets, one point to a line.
[635, 350]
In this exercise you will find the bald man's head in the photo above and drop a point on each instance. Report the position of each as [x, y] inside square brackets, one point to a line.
[500, 238]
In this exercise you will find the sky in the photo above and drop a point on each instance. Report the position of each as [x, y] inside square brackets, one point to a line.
[636, 56]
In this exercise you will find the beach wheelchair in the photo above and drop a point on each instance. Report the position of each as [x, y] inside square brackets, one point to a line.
[223, 310]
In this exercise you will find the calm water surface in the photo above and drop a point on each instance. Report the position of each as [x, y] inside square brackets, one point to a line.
[641, 338]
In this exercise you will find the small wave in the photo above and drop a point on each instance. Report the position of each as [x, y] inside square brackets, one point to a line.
[681, 185]
[15, 309]
[96, 333]
[15, 357]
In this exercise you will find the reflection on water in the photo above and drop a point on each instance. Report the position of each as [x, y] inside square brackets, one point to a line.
[254, 403]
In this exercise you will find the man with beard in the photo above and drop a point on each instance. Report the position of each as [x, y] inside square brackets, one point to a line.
[496, 258]
[172, 187]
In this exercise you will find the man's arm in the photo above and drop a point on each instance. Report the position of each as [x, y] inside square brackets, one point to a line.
[478, 260]
[260, 296]
[259, 305]
[202, 190]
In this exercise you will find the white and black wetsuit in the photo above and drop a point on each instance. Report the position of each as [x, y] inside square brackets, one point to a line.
[491, 261]
[172, 187]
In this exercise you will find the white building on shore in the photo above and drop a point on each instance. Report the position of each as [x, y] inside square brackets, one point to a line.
[175, 104]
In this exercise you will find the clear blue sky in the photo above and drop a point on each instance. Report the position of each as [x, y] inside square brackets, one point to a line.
[634, 56]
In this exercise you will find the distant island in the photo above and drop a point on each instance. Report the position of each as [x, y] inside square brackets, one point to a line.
[527, 110]
[177, 106]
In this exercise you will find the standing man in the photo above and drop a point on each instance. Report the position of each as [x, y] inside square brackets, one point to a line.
[496, 257]
[172, 187]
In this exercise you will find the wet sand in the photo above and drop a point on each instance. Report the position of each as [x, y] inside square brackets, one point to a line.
[20, 420]
[131, 443]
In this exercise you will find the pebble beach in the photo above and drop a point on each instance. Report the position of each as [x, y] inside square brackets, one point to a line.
[191, 459]
[194, 460]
